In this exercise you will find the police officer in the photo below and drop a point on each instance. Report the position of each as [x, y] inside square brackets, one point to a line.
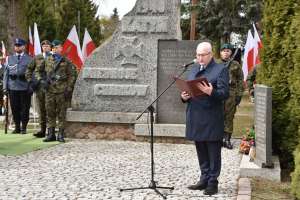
[39, 62]
[56, 78]
[235, 91]
[17, 87]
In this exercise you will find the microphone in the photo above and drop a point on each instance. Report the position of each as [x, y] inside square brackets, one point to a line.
[193, 62]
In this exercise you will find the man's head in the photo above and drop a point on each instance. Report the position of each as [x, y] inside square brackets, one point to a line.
[19, 45]
[46, 46]
[57, 46]
[226, 51]
[204, 53]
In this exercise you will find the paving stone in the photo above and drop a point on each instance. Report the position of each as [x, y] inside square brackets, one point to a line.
[84, 169]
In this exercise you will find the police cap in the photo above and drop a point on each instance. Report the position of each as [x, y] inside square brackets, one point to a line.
[19, 42]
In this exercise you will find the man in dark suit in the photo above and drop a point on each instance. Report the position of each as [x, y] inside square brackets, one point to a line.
[204, 117]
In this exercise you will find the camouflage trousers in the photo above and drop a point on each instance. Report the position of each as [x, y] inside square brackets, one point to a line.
[56, 108]
[41, 101]
[229, 111]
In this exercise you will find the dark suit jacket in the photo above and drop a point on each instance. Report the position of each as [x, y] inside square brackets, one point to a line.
[204, 115]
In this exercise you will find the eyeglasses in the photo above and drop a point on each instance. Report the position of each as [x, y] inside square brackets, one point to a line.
[203, 54]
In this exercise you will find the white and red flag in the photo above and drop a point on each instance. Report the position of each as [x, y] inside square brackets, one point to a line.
[257, 46]
[36, 41]
[248, 60]
[72, 50]
[4, 53]
[88, 45]
[30, 43]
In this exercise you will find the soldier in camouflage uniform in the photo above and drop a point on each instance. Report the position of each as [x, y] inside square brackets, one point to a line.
[235, 92]
[57, 79]
[39, 62]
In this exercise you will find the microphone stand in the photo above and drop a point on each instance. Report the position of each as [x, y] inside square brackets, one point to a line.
[150, 108]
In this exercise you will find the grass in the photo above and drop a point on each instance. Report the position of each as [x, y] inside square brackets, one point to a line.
[270, 190]
[244, 117]
[16, 144]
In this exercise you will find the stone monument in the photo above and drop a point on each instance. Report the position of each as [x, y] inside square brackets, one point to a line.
[120, 78]
[263, 126]
[265, 165]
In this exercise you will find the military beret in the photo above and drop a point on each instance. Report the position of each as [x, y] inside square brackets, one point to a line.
[226, 46]
[46, 42]
[56, 43]
[19, 42]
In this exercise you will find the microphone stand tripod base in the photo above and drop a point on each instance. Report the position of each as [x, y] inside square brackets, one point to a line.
[152, 186]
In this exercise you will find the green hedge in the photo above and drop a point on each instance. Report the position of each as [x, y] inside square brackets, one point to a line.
[277, 71]
[281, 71]
[296, 174]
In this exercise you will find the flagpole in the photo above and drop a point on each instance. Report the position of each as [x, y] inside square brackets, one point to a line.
[78, 18]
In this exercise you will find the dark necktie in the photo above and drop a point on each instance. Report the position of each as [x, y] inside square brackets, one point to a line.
[19, 56]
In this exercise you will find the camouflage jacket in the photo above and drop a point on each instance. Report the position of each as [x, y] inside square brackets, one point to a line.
[60, 77]
[37, 62]
[236, 78]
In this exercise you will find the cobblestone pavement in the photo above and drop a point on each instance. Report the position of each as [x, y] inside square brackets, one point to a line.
[83, 169]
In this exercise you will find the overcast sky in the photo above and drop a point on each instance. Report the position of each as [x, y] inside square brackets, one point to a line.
[106, 6]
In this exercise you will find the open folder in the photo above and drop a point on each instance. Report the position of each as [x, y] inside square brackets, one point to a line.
[191, 86]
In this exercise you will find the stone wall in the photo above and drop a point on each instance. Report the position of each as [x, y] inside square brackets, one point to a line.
[107, 131]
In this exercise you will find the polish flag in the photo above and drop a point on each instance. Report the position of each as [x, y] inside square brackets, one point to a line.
[248, 60]
[72, 50]
[4, 53]
[36, 40]
[257, 46]
[30, 43]
[88, 45]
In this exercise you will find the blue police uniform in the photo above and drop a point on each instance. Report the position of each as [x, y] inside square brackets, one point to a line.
[205, 121]
[15, 83]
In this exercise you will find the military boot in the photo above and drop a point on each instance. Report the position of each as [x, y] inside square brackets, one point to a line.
[24, 128]
[227, 144]
[60, 135]
[50, 135]
[42, 132]
[17, 129]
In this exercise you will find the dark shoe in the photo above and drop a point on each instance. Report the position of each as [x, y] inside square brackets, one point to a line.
[23, 131]
[50, 136]
[198, 186]
[228, 145]
[17, 129]
[211, 190]
[60, 135]
[41, 133]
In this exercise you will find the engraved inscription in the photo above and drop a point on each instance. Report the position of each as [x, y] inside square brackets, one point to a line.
[142, 24]
[263, 110]
[151, 6]
[109, 73]
[120, 90]
[130, 52]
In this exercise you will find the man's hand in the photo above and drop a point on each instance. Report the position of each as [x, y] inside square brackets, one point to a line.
[185, 96]
[207, 89]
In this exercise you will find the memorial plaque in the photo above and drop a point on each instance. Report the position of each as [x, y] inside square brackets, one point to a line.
[263, 126]
[172, 55]
[121, 75]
